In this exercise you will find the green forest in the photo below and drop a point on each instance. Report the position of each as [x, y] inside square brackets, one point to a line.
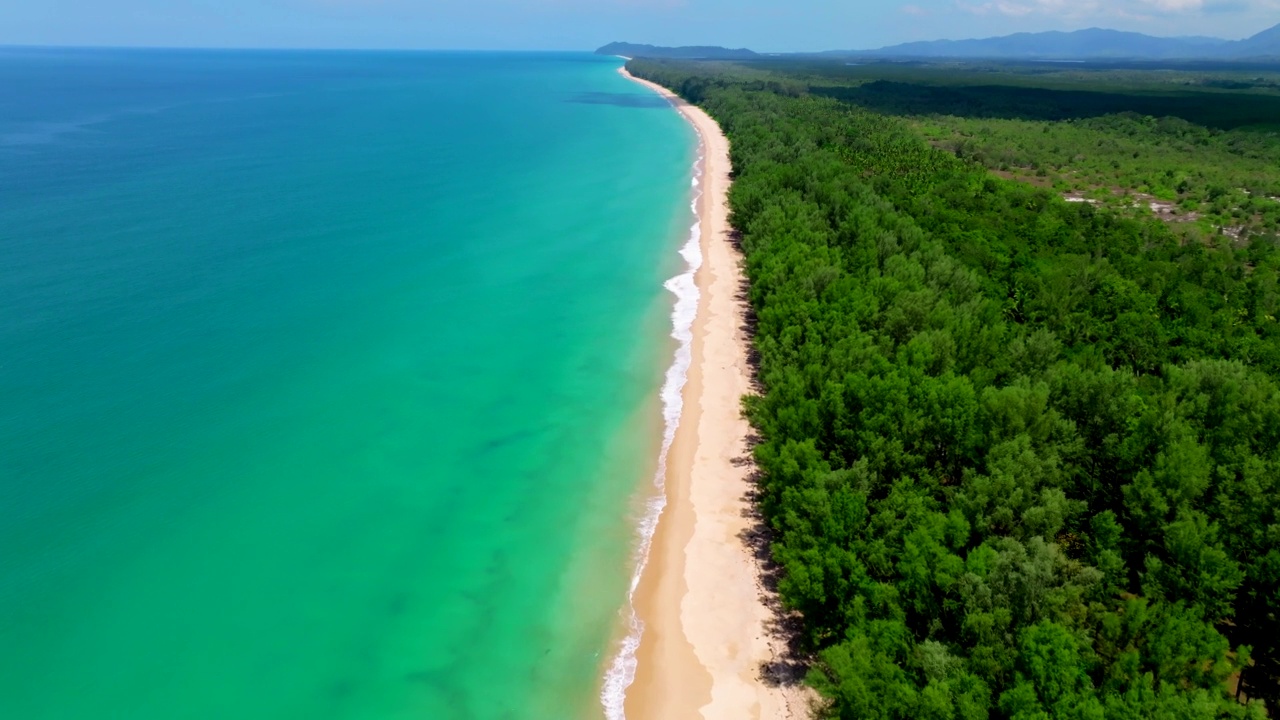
[1020, 456]
[1199, 149]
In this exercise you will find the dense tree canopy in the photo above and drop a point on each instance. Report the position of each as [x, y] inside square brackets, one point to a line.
[1021, 456]
[1203, 145]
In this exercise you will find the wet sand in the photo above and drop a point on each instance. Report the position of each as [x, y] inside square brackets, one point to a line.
[701, 598]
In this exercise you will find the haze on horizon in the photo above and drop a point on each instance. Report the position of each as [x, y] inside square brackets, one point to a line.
[763, 25]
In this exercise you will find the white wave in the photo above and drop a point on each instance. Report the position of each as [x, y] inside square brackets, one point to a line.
[622, 671]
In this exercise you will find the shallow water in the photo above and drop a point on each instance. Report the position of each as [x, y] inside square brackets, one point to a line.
[326, 378]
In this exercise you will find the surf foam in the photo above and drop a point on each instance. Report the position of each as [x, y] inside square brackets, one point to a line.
[622, 671]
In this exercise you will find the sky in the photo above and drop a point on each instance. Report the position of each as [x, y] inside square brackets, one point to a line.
[763, 25]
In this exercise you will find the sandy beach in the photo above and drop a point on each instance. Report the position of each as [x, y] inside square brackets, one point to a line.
[701, 598]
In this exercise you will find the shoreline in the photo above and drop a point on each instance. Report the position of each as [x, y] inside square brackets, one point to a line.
[699, 597]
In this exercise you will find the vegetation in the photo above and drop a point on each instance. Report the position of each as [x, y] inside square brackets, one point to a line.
[1197, 148]
[1021, 456]
[1230, 184]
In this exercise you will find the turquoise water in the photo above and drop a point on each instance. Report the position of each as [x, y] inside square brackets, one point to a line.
[326, 379]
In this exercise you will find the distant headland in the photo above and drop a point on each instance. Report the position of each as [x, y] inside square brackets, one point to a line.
[677, 53]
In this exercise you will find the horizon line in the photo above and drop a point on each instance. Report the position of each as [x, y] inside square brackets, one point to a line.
[268, 48]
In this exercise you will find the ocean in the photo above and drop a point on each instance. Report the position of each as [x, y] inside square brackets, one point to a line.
[329, 381]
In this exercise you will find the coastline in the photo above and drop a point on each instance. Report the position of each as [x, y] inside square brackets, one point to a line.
[700, 597]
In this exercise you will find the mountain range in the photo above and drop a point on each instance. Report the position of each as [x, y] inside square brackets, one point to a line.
[1091, 44]
[1094, 43]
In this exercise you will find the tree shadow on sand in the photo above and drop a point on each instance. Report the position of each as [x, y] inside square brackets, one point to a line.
[789, 665]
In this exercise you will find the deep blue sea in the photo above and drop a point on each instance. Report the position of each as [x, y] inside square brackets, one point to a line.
[328, 380]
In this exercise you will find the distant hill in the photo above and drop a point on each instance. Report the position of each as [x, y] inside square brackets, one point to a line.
[1264, 44]
[1081, 44]
[709, 52]
[1091, 44]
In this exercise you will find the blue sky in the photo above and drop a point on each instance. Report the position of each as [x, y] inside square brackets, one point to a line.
[769, 25]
